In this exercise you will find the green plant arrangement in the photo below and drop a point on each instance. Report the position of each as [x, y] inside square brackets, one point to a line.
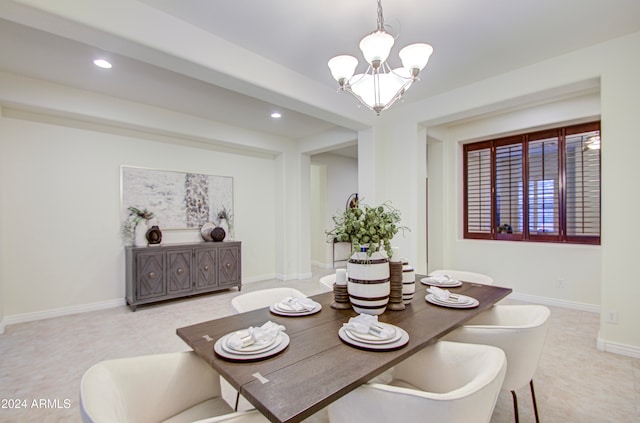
[135, 216]
[366, 226]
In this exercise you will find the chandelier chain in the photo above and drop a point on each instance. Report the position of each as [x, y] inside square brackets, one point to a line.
[380, 17]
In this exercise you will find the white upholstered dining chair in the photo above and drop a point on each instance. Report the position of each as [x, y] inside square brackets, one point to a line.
[262, 298]
[520, 331]
[172, 388]
[444, 382]
[463, 275]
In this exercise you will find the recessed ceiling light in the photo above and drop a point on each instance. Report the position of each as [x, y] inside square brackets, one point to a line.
[101, 63]
[276, 115]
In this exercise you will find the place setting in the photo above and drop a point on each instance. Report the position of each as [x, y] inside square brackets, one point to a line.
[366, 332]
[441, 280]
[444, 298]
[253, 343]
[295, 306]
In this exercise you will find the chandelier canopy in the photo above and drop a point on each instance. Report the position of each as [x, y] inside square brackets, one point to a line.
[380, 86]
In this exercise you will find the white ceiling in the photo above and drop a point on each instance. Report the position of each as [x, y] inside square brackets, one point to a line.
[472, 40]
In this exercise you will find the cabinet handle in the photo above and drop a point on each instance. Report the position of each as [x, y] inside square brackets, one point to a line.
[206, 268]
[228, 265]
[180, 271]
[152, 275]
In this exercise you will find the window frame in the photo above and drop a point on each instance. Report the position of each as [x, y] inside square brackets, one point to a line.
[525, 140]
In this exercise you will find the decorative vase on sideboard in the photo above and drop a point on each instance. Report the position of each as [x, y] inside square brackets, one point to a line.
[140, 235]
[154, 235]
[368, 282]
[218, 234]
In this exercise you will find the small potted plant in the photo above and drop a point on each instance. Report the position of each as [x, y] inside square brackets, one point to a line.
[225, 215]
[130, 225]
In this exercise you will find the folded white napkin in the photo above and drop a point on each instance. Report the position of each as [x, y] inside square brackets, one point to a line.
[299, 303]
[439, 277]
[368, 324]
[263, 334]
[440, 294]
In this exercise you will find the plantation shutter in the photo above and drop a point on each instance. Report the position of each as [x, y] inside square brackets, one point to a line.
[543, 185]
[582, 186]
[509, 188]
[477, 167]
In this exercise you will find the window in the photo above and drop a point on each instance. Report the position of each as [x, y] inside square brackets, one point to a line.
[542, 186]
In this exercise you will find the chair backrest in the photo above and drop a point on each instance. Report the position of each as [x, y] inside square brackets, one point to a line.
[146, 388]
[519, 330]
[328, 281]
[445, 382]
[262, 298]
[463, 275]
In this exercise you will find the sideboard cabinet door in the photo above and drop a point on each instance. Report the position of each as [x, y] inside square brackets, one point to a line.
[206, 263]
[150, 280]
[179, 272]
[229, 266]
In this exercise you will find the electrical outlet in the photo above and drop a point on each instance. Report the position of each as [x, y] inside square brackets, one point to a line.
[612, 317]
[560, 282]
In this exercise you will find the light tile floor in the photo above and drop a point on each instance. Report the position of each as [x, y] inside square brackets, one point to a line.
[44, 360]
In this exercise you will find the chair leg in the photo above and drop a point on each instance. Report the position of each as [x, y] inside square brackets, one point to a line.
[533, 397]
[515, 406]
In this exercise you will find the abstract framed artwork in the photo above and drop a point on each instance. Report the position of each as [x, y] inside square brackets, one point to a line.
[179, 200]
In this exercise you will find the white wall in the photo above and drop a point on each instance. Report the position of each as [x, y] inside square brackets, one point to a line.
[60, 155]
[341, 175]
[533, 270]
[61, 213]
[569, 273]
[318, 195]
[2, 325]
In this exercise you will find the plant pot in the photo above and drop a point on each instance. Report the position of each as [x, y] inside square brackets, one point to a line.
[368, 283]
[140, 235]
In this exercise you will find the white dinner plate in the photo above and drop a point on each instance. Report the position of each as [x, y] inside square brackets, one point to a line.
[461, 303]
[451, 283]
[275, 309]
[276, 348]
[399, 343]
[373, 339]
[235, 338]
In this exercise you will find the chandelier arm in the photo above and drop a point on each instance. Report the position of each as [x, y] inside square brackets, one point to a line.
[352, 81]
[353, 93]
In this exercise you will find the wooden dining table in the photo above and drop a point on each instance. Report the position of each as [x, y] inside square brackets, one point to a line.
[318, 367]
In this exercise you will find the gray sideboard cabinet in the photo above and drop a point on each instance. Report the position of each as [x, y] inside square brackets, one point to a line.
[163, 272]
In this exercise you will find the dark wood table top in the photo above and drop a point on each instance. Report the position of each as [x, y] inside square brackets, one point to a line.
[317, 367]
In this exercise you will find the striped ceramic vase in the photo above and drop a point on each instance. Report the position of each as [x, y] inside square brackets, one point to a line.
[368, 282]
[408, 282]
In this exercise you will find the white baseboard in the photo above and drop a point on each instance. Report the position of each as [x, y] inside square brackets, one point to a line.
[592, 308]
[1, 327]
[258, 278]
[294, 277]
[58, 312]
[617, 348]
[322, 265]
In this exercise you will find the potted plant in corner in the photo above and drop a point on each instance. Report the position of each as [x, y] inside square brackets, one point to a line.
[370, 230]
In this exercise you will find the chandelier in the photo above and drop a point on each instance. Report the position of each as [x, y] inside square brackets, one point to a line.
[380, 86]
